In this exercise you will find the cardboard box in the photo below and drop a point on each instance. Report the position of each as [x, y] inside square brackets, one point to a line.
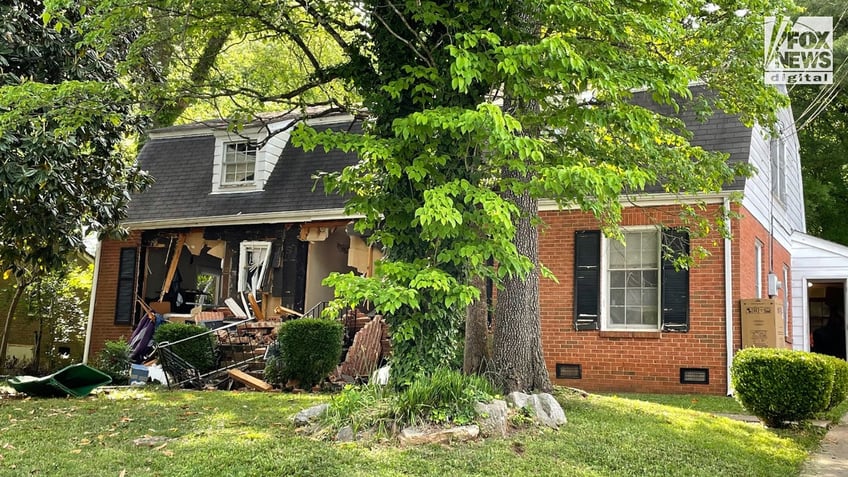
[762, 323]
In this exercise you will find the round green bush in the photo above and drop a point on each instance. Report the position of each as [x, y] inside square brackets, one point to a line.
[779, 385]
[309, 349]
[199, 352]
[114, 360]
[840, 380]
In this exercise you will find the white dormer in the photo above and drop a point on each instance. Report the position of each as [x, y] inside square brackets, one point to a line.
[240, 165]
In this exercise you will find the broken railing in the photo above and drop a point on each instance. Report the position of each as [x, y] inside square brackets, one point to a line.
[347, 317]
[235, 345]
[231, 346]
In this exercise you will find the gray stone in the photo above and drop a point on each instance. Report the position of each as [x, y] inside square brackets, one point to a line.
[491, 417]
[307, 415]
[151, 441]
[345, 434]
[413, 436]
[544, 407]
[518, 399]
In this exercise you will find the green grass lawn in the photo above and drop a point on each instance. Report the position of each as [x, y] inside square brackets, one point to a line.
[251, 434]
[695, 402]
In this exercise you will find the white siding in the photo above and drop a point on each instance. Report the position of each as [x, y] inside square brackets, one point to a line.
[812, 259]
[266, 157]
[788, 217]
[273, 150]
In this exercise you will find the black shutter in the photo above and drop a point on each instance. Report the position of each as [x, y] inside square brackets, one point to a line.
[675, 283]
[125, 303]
[587, 279]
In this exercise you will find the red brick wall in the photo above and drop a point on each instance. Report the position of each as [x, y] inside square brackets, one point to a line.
[643, 362]
[746, 233]
[103, 323]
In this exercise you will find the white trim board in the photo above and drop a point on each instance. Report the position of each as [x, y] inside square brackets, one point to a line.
[243, 219]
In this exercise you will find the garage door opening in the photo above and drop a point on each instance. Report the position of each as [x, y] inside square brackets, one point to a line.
[827, 317]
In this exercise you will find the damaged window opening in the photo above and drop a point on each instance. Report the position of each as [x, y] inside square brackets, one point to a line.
[253, 262]
[239, 163]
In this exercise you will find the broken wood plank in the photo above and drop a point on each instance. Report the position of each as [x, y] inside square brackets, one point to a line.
[257, 311]
[175, 261]
[248, 380]
[280, 309]
[235, 308]
[364, 354]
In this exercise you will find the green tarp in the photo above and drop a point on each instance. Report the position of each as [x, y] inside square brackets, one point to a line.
[75, 380]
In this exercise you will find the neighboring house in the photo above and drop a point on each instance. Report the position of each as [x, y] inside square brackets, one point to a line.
[35, 344]
[624, 319]
[619, 318]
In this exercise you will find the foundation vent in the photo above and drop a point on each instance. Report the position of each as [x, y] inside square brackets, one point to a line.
[694, 376]
[568, 371]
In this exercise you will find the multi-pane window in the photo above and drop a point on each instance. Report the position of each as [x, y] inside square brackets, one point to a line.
[636, 286]
[633, 272]
[239, 163]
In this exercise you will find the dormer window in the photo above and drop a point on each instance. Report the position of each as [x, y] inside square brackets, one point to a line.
[239, 165]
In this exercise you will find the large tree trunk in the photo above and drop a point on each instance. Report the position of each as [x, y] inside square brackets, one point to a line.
[167, 113]
[7, 326]
[517, 345]
[476, 354]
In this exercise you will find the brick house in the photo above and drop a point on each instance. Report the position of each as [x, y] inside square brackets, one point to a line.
[619, 318]
[34, 343]
[239, 212]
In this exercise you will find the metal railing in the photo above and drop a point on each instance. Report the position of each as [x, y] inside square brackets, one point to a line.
[227, 347]
[199, 358]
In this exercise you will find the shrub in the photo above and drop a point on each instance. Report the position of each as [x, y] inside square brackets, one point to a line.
[778, 385]
[309, 349]
[274, 369]
[840, 380]
[199, 352]
[445, 396]
[114, 360]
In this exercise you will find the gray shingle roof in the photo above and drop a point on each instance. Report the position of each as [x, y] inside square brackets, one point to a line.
[183, 166]
[719, 133]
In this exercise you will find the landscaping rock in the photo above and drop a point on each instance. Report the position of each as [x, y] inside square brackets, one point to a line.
[413, 436]
[307, 415]
[491, 417]
[518, 399]
[545, 408]
[151, 441]
[345, 434]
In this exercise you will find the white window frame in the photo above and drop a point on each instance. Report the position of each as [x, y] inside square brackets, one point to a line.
[605, 322]
[248, 261]
[253, 149]
[758, 273]
[786, 290]
[777, 158]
